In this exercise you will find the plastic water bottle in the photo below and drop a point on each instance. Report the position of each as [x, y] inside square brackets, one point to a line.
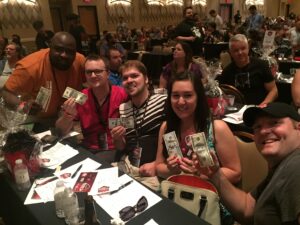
[21, 175]
[70, 206]
[59, 198]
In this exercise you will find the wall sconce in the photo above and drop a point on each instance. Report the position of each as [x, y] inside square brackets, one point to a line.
[119, 2]
[199, 2]
[26, 2]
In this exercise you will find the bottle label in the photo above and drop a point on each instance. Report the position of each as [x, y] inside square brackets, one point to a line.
[21, 176]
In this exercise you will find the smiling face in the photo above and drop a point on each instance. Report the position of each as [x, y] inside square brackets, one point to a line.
[96, 73]
[275, 138]
[62, 51]
[184, 99]
[134, 82]
[239, 52]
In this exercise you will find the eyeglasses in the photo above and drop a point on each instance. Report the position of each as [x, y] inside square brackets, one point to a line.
[96, 72]
[129, 211]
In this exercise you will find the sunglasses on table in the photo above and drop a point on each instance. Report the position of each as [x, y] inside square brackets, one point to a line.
[129, 212]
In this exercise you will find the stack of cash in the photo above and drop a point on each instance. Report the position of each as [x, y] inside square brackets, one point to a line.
[172, 144]
[43, 97]
[200, 147]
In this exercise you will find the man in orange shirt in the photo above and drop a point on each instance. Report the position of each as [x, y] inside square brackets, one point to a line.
[54, 68]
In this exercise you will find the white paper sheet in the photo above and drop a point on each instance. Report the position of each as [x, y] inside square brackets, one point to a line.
[151, 222]
[43, 192]
[127, 196]
[57, 155]
[237, 117]
[108, 178]
[48, 132]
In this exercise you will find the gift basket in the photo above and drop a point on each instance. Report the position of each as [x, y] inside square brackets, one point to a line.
[16, 142]
[213, 92]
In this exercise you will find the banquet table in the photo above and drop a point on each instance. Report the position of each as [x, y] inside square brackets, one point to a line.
[286, 66]
[14, 212]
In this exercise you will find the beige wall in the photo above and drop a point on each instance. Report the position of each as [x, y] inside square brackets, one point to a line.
[137, 16]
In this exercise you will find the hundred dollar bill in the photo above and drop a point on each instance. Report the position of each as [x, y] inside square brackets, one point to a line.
[79, 97]
[172, 144]
[200, 147]
[43, 97]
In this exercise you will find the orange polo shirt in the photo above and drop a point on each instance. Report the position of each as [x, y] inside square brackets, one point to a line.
[35, 71]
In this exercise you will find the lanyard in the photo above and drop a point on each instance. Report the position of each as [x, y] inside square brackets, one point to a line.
[102, 120]
[137, 127]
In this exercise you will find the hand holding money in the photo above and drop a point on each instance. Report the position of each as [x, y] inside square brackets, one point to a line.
[79, 97]
[69, 108]
[201, 149]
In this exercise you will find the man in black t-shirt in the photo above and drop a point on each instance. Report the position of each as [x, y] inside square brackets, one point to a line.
[276, 200]
[188, 31]
[252, 77]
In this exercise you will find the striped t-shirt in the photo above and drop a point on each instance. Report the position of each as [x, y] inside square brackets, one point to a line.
[147, 119]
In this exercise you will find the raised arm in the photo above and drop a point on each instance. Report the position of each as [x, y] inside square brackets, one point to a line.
[65, 122]
[296, 89]
[272, 93]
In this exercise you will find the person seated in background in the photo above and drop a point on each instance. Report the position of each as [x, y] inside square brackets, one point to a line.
[147, 111]
[110, 42]
[187, 114]
[12, 56]
[276, 200]
[102, 103]
[54, 69]
[295, 89]
[115, 61]
[15, 38]
[43, 37]
[182, 61]
[3, 43]
[212, 35]
[251, 76]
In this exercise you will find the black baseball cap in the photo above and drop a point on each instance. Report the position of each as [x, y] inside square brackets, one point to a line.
[273, 109]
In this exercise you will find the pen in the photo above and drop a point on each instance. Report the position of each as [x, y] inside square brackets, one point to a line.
[121, 187]
[77, 170]
[38, 183]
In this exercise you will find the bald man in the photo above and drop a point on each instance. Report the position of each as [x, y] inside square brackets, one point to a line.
[54, 68]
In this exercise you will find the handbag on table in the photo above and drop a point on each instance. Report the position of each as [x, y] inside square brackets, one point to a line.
[196, 195]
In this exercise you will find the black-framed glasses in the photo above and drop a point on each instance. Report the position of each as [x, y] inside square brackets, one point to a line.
[129, 211]
[96, 72]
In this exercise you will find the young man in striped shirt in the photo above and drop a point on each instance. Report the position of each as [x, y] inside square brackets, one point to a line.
[147, 111]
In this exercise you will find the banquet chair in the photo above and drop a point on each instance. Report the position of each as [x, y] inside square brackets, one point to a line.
[254, 166]
[231, 90]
